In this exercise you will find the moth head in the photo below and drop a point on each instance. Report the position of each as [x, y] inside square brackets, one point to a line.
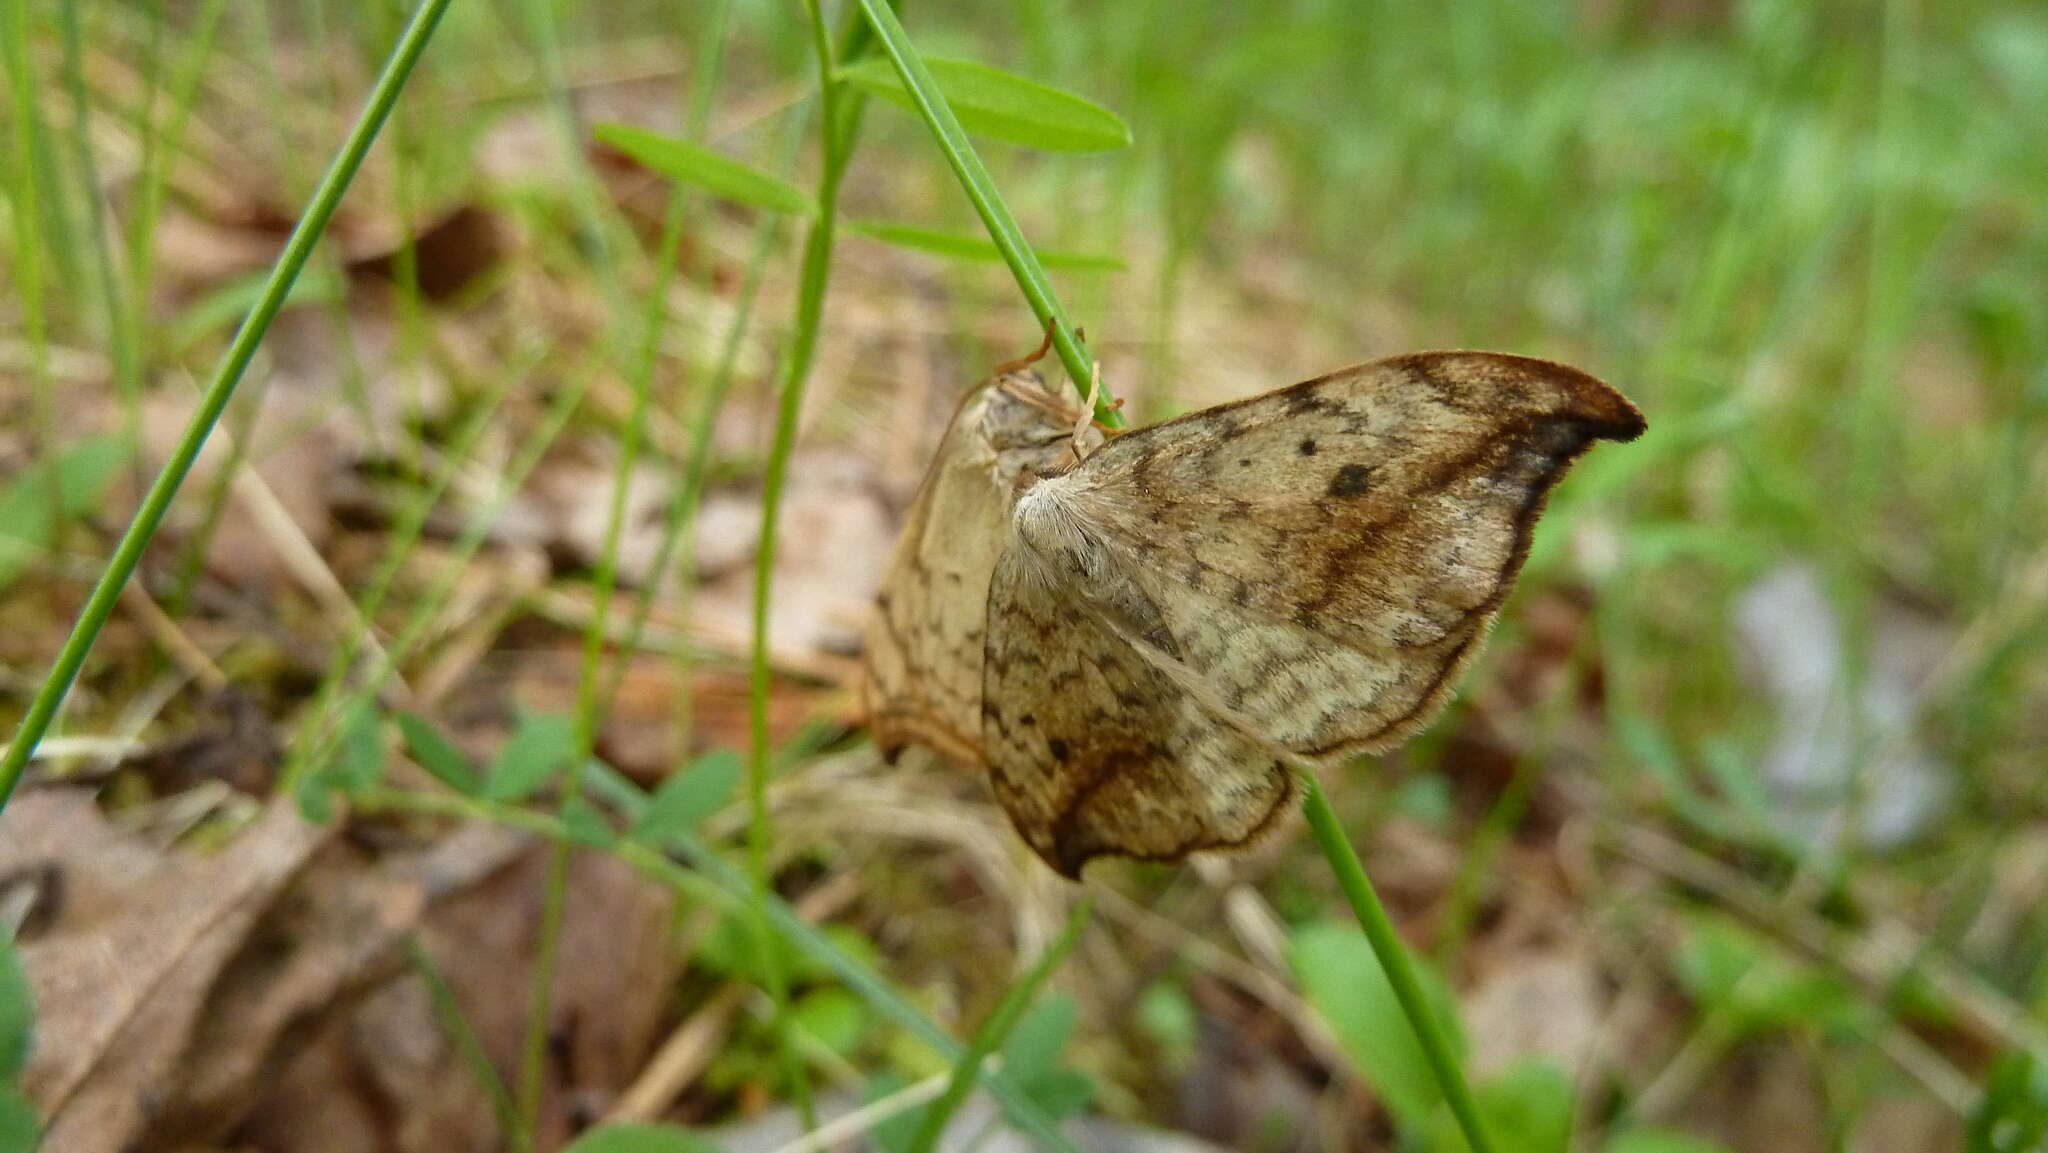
[1029, 431]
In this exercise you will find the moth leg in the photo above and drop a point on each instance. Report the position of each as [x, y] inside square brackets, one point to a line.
[1087, 413]
[1024, 362]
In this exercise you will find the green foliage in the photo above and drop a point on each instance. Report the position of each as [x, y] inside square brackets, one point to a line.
[1526, 1109]
[1031, 1060]
[358, 763]
[714, 172]
[71, 487]
[997, 104]
[20, 1129]
[1757, 987]
[542, 745]
[586, 824]
[1344, 982]
[687, 797]
[2012, 1117]
[1659, 1141]
[834, 1018]
[640, 1138]
[17, 1013]
[434, 752]
[1166, 1014]
[977, 249]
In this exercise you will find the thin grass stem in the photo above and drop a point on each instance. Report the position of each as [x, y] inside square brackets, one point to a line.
[1386, 945]
[988, 203]
[128, 554]
[994, 1031]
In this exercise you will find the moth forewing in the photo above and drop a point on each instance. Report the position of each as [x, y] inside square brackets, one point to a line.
[1302, 573]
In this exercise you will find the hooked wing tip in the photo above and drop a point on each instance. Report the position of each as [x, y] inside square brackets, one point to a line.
[1607, 414]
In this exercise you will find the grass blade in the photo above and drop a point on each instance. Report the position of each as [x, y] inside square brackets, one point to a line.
[100, 605]
[957, 246]
[712, 171]
[1005, 106]
[938, 115]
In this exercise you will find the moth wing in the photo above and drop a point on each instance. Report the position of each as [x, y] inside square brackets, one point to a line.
[923, 647]
[1328, 556]
[1096, 747]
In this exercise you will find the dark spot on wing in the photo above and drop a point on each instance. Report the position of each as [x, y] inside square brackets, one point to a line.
[1060, 752]
[1028, 719]
[1245, 462]
[1351, 480]
[1308, 447]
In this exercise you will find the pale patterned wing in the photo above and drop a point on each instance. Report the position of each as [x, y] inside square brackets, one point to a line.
[1328, 556]
[1095, 750]
[923, 650]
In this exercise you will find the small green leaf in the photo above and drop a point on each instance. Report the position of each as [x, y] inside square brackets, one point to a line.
[833, 1016]
[1343, 980]
[688, 797]
[359, 762]
[1035, 1044]
[979, 249]
[542, 745]
[1167, 1015]
[584, 824]
[82, 472]
[1528, 1109]
[2012, 1117]
[1662, 1141]
[1729, 968]
[640, 1138]
[437, 754]
[895, 1133]
[1060, 1093]
[712, 171]
[17, 1013]
[991, 102]
[1031, 1059]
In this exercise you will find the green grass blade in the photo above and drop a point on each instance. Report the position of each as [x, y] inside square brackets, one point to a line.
[1386, 945]
[712, 171]
[994, 1031]
[100, 605]
[977, 249]
[1002, 105]
[938, 115]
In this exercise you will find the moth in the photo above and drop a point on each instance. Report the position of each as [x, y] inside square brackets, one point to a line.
[1176, 621]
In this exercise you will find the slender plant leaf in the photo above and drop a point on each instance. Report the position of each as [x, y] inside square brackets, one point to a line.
[992, 102]
[1664, 1141]
[585, 824]
[437, 754]
[630, 1138]
[543, 745]
[2012, 1117]
[17, 1013]
[1344, 981]
[80, 474]
[979, 249]
[690, 796]
[712, 171]
[1531, 1101]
